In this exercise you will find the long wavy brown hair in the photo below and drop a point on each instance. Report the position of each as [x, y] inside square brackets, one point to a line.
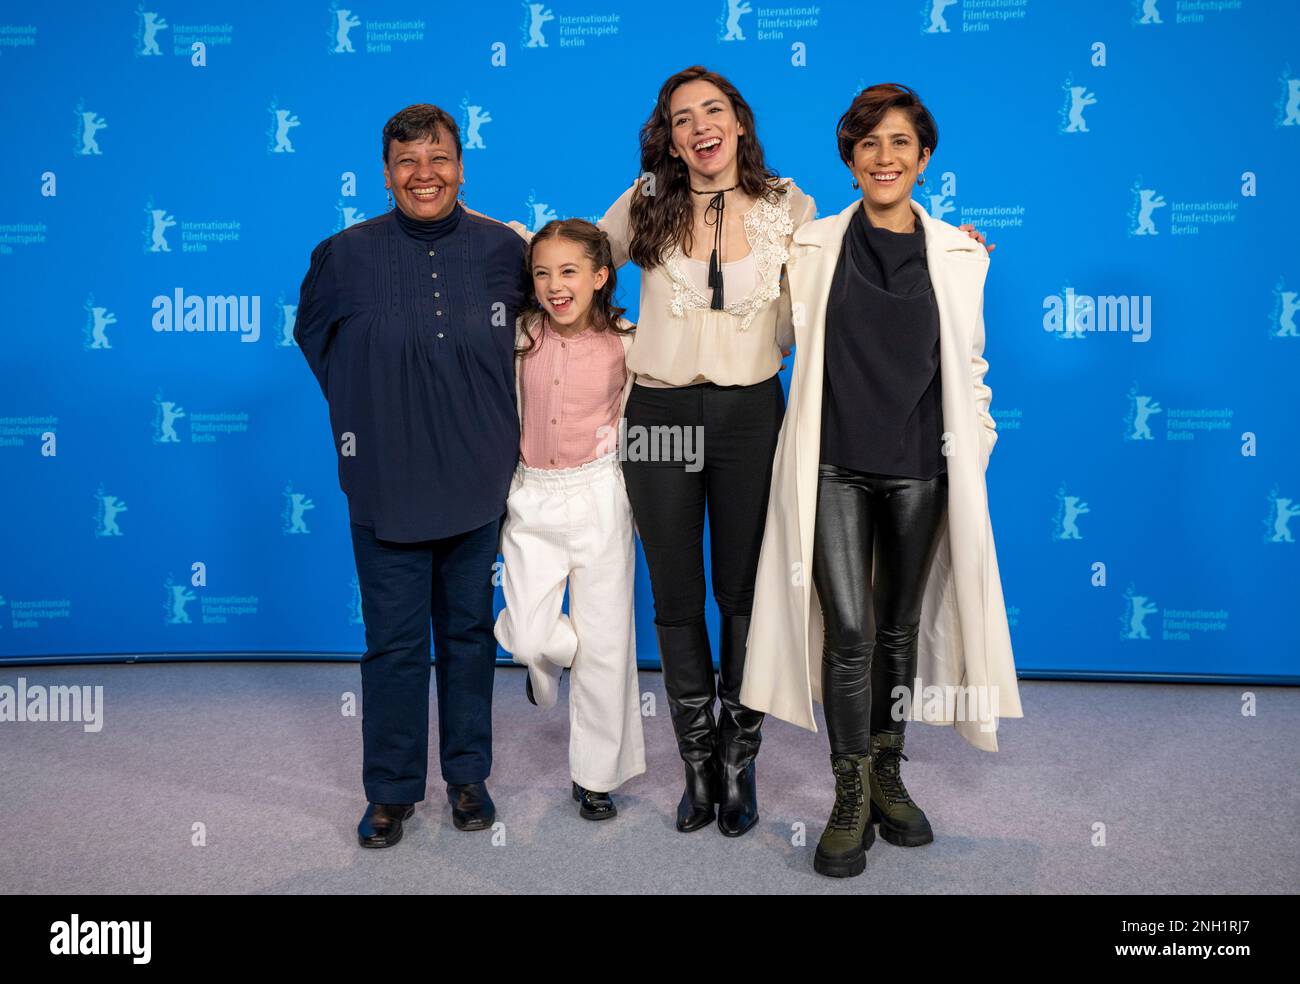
[663, 218]
[595, 245]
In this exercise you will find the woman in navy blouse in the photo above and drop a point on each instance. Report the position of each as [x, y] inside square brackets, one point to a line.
[407, 321]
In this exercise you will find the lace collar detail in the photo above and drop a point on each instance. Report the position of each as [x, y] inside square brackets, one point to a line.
[768, 227]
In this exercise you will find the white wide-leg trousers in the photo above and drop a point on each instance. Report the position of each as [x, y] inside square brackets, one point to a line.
[573, 527]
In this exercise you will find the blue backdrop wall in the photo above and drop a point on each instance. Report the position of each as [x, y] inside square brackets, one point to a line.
[1136, 162]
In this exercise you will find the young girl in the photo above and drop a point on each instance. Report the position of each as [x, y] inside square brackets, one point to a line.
[568, 520]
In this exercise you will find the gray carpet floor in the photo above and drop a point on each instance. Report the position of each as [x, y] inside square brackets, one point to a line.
[1191, 796]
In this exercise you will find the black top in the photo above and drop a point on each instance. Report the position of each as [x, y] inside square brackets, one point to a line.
[409, 328]
[882, 406]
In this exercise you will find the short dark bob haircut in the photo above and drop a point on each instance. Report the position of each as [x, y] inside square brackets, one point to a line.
[869, 108]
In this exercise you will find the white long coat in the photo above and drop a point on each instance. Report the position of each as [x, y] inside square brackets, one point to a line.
[964, 640]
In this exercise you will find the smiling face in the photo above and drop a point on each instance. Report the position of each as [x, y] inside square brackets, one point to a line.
[565, 281]
[888, 160]
[424, 176]
[705, 132]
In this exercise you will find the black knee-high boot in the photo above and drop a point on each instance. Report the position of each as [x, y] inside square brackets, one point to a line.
[739, 734]
[689, 681]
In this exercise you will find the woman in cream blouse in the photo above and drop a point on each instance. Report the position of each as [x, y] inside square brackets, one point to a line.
[710, 227]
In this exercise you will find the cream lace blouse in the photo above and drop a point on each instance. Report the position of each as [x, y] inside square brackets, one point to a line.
[679, 339]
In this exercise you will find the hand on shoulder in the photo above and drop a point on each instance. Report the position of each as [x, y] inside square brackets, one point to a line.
[976, 235]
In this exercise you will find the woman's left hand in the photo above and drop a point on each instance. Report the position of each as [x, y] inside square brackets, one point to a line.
[976, 235]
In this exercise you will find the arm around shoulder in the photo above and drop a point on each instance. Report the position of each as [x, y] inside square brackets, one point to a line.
[617, 224]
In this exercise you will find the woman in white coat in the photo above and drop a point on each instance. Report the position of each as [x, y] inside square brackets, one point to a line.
[878, 589]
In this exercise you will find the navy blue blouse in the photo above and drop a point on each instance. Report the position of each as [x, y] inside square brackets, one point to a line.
[412, 341]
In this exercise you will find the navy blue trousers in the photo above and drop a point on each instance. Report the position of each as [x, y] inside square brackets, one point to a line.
[405, 587]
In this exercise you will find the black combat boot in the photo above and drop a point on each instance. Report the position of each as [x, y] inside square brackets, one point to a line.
[902, 822]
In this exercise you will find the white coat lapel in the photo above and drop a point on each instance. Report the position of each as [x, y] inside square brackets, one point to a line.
[814, 252]
[952, 258]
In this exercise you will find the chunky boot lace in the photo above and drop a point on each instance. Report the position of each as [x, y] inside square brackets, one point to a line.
[887, 775]
[849, 801]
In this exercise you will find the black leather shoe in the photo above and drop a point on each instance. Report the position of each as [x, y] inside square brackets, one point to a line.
[471, 806]
[594, 806]
[381, 825]
[740, 732]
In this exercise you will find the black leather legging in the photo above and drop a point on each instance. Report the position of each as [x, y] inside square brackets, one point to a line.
[899, 519]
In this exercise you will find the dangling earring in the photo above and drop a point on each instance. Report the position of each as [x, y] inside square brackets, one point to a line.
[920, 178]
[855, 184]
[390, 200]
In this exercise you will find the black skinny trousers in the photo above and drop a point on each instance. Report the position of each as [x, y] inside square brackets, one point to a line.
[899, 520]
[739, 427]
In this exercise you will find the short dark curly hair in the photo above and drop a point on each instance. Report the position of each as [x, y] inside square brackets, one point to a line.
[869, 108]
[419, 122]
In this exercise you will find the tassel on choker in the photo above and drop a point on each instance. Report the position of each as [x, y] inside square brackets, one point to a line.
[715, 207]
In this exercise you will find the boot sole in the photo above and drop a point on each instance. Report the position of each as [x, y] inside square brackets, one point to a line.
[905, 838]
[842, 867]
[900, 836]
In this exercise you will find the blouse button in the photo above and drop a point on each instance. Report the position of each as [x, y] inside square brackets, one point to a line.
[431, 253]
[438, 313]
[435, 276]
[552, 461]
[436, 294]
[440, 334]
[562, 345]
[557, 382]
[554, 420]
